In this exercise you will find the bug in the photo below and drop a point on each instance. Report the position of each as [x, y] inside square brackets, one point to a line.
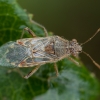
[36, 51]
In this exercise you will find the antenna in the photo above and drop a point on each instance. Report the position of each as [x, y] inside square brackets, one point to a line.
[92, 36]
[96, 64]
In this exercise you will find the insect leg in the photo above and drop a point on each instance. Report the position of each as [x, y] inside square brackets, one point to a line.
[19, 71]
[32, 72]
[73, 60]
[29, 31]
[56, 69]
[16, 70]
[45, 31]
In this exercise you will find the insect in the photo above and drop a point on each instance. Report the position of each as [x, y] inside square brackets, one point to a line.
[36, 51]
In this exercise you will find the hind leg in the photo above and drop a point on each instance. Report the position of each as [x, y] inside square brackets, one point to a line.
[29, 31]
[32, 72]
[45, 31]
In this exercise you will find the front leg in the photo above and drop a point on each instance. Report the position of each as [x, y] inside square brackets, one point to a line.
[73, 60]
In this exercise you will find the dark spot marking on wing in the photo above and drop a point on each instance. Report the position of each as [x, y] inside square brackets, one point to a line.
[50, 48]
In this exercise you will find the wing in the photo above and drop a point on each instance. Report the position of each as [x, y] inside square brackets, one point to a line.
[35, 51]
[39, 50]
[43, 50]
[11, 54]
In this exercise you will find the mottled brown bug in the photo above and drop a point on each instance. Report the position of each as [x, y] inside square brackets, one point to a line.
[36, 51]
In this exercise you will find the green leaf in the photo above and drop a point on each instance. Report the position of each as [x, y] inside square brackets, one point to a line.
[73, 82]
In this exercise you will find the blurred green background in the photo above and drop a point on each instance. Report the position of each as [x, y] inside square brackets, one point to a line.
[70, 19]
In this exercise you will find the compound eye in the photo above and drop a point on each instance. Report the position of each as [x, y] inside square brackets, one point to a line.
[74, 40]
[80, 51]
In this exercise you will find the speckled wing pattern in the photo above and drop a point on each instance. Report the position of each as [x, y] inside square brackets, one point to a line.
[11, 54]
[30, 52]
[39, 50]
